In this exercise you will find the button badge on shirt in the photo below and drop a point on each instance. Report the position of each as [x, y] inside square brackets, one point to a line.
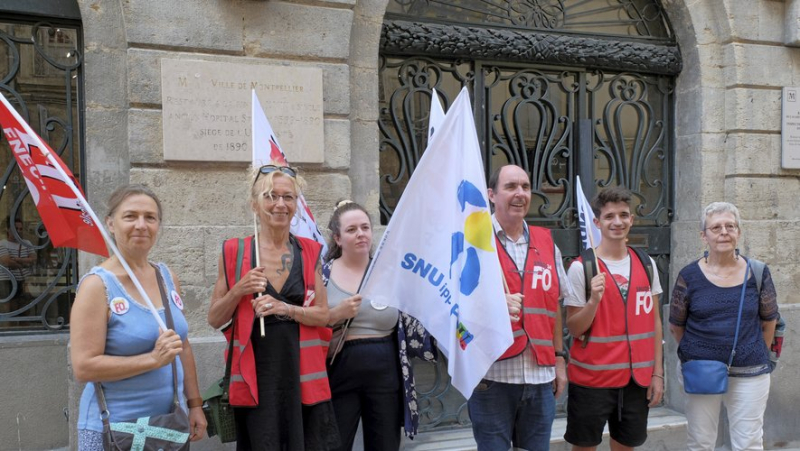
[119, 306]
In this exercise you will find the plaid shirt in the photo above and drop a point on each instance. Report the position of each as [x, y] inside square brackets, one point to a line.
[523, 369]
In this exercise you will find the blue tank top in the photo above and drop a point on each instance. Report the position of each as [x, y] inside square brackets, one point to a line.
[132, 330]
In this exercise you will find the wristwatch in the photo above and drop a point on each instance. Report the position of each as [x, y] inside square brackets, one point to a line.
[564, 354]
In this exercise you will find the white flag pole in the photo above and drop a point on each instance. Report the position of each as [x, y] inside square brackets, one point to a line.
[258, 262]
[253, 105]
[85, 204]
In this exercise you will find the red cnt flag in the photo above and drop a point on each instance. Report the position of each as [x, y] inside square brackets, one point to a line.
[65, 217]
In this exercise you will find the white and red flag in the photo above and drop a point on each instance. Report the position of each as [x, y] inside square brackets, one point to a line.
[67, 216]
[266, 150]
[63, 212]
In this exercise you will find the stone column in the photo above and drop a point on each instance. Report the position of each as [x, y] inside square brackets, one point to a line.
[791, 23]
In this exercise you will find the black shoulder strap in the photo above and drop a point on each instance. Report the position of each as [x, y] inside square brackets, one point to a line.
[589, 270]
[645, 259]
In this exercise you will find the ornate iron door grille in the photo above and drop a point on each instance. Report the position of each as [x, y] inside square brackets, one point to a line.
[41, 75]
[547, 96]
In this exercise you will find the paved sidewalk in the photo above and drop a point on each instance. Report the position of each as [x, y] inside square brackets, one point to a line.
[666, 432]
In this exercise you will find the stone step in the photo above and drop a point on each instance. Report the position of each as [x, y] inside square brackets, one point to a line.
[666, 431]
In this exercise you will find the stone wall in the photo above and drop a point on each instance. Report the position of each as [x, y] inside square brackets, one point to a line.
[728, 130]
[205, 203]
[728, 148]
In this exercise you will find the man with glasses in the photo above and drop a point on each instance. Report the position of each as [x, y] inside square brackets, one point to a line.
[616, 372]
[17, 256]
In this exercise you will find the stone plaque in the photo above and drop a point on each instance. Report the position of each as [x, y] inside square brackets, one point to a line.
[206, 110]
[790, 128]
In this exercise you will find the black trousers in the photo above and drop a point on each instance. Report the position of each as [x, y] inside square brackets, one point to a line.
[365, 383]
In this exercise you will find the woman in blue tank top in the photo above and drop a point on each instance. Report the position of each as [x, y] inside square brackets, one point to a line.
[703, 318]
[114, 338]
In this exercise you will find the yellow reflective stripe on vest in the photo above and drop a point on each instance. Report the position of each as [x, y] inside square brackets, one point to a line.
[538, 311]
[618, 338]
[313, 376]
[310, 343]
[615, 366]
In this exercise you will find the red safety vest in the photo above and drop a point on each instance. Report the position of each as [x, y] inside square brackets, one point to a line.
[540, 287]
[314, 341]
[622, 340]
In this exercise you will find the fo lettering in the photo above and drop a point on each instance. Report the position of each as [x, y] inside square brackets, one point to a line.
[541, 274]
[644, 300]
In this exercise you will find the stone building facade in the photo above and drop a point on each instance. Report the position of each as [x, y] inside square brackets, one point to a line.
[737, 55]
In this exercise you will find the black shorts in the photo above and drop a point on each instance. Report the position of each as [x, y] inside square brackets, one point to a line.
[625, 409]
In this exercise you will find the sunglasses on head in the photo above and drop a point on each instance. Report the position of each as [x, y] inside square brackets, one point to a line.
[288, 170]
[267, 168]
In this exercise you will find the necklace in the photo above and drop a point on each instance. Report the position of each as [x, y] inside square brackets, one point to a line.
[708, 268]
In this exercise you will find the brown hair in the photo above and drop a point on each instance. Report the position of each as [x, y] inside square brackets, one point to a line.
[335, 226]
[125, 191]
[610, 195]
[495, 177]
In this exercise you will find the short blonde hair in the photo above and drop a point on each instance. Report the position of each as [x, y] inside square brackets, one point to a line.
[264, 183]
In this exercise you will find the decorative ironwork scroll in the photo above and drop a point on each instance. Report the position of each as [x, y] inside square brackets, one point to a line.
[644, 19]
[529, 118]
[632, 123]
[404, 108]
[40, 74]
[400, 37]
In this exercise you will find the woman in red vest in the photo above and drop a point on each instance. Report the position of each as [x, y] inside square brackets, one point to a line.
[272, 290]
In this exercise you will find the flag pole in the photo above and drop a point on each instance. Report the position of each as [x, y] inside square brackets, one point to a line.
[253, 143]
[90, 212]
[258, 263]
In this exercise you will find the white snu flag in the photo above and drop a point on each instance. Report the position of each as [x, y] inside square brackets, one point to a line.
[437, 260]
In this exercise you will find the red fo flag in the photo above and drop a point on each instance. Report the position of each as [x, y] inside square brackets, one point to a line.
[65, 217]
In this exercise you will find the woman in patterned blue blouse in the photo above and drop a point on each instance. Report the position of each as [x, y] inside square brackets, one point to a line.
[703, 317]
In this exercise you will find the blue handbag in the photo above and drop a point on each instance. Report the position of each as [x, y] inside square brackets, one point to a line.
[710, 377]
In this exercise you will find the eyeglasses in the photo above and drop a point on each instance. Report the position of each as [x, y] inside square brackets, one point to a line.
[717, 229]
[274, 198]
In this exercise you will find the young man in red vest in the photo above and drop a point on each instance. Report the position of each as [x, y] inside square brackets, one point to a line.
[616, 373]
[515, 402]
